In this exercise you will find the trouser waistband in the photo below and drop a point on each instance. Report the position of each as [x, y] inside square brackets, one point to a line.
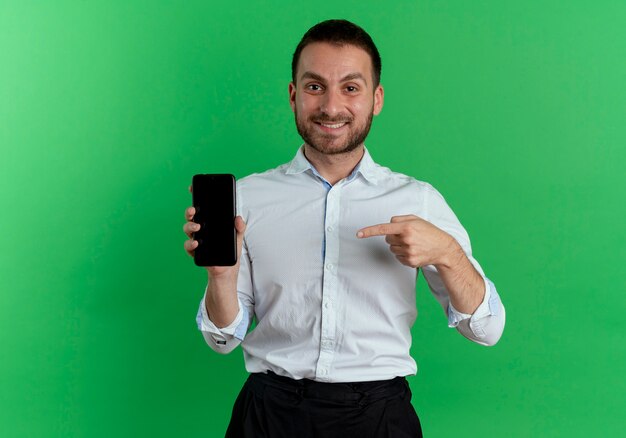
[348, 391]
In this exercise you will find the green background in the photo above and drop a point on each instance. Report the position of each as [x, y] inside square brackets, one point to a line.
[514, 110]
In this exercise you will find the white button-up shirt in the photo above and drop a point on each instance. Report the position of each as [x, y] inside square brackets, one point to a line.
[327, 305]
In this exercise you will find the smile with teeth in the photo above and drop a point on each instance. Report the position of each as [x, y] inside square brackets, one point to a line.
[333, 126]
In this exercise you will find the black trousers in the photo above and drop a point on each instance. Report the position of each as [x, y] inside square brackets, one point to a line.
[271, 406]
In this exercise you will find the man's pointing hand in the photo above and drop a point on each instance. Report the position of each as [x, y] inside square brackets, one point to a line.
[414, 241]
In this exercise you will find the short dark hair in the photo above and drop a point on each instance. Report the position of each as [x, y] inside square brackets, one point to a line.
[339, 32]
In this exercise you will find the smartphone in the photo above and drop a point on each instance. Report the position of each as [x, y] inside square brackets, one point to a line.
[214, 200]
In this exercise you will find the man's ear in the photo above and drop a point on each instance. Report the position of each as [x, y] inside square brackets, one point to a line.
[292, 96]
[379, 98]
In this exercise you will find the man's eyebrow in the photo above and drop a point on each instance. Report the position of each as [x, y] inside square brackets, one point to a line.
[311, 75]
[353, 76]
[348, 77]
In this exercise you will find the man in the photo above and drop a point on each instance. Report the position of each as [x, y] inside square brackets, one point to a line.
[330, 246]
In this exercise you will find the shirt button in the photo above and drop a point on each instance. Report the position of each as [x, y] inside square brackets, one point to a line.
[322, 372]
[329, 266]
[329, 229]
[327, 304]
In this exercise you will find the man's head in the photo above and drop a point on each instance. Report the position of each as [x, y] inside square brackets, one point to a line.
[339, 33]
[335, 90]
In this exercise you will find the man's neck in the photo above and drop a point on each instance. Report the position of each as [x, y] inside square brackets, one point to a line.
[333, 168]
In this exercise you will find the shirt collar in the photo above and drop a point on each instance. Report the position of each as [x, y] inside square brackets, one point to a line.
[366, 167]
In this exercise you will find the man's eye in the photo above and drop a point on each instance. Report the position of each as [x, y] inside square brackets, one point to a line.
[314, 87]
[351, 89]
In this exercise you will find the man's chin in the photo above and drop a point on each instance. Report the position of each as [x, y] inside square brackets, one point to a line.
[329, 144]
[332, 149]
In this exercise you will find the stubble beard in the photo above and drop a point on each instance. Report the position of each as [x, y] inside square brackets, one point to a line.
[323, 143]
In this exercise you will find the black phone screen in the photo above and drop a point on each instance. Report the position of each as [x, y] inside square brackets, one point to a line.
[215, 204]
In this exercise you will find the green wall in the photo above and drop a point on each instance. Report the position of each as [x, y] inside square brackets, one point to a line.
[514, 110]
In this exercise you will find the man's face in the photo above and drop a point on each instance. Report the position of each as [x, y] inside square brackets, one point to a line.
[334, 99]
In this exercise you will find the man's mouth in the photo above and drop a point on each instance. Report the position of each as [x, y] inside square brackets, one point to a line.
[332, 125]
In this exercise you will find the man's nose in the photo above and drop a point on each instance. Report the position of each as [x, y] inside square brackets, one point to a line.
[331, 103]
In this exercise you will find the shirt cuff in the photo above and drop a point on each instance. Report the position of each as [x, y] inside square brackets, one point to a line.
[488, 307]
[236, 329]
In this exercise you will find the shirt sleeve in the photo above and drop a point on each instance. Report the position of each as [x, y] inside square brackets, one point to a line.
[486, 324]
[225, 339]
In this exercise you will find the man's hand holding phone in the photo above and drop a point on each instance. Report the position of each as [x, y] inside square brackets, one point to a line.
[221, 296]
[191, 244]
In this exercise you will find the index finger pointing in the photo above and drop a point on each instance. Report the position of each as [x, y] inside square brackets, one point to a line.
[379, 230]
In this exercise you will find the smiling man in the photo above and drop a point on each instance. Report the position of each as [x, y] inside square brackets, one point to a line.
[334, 104]
[330, 246]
